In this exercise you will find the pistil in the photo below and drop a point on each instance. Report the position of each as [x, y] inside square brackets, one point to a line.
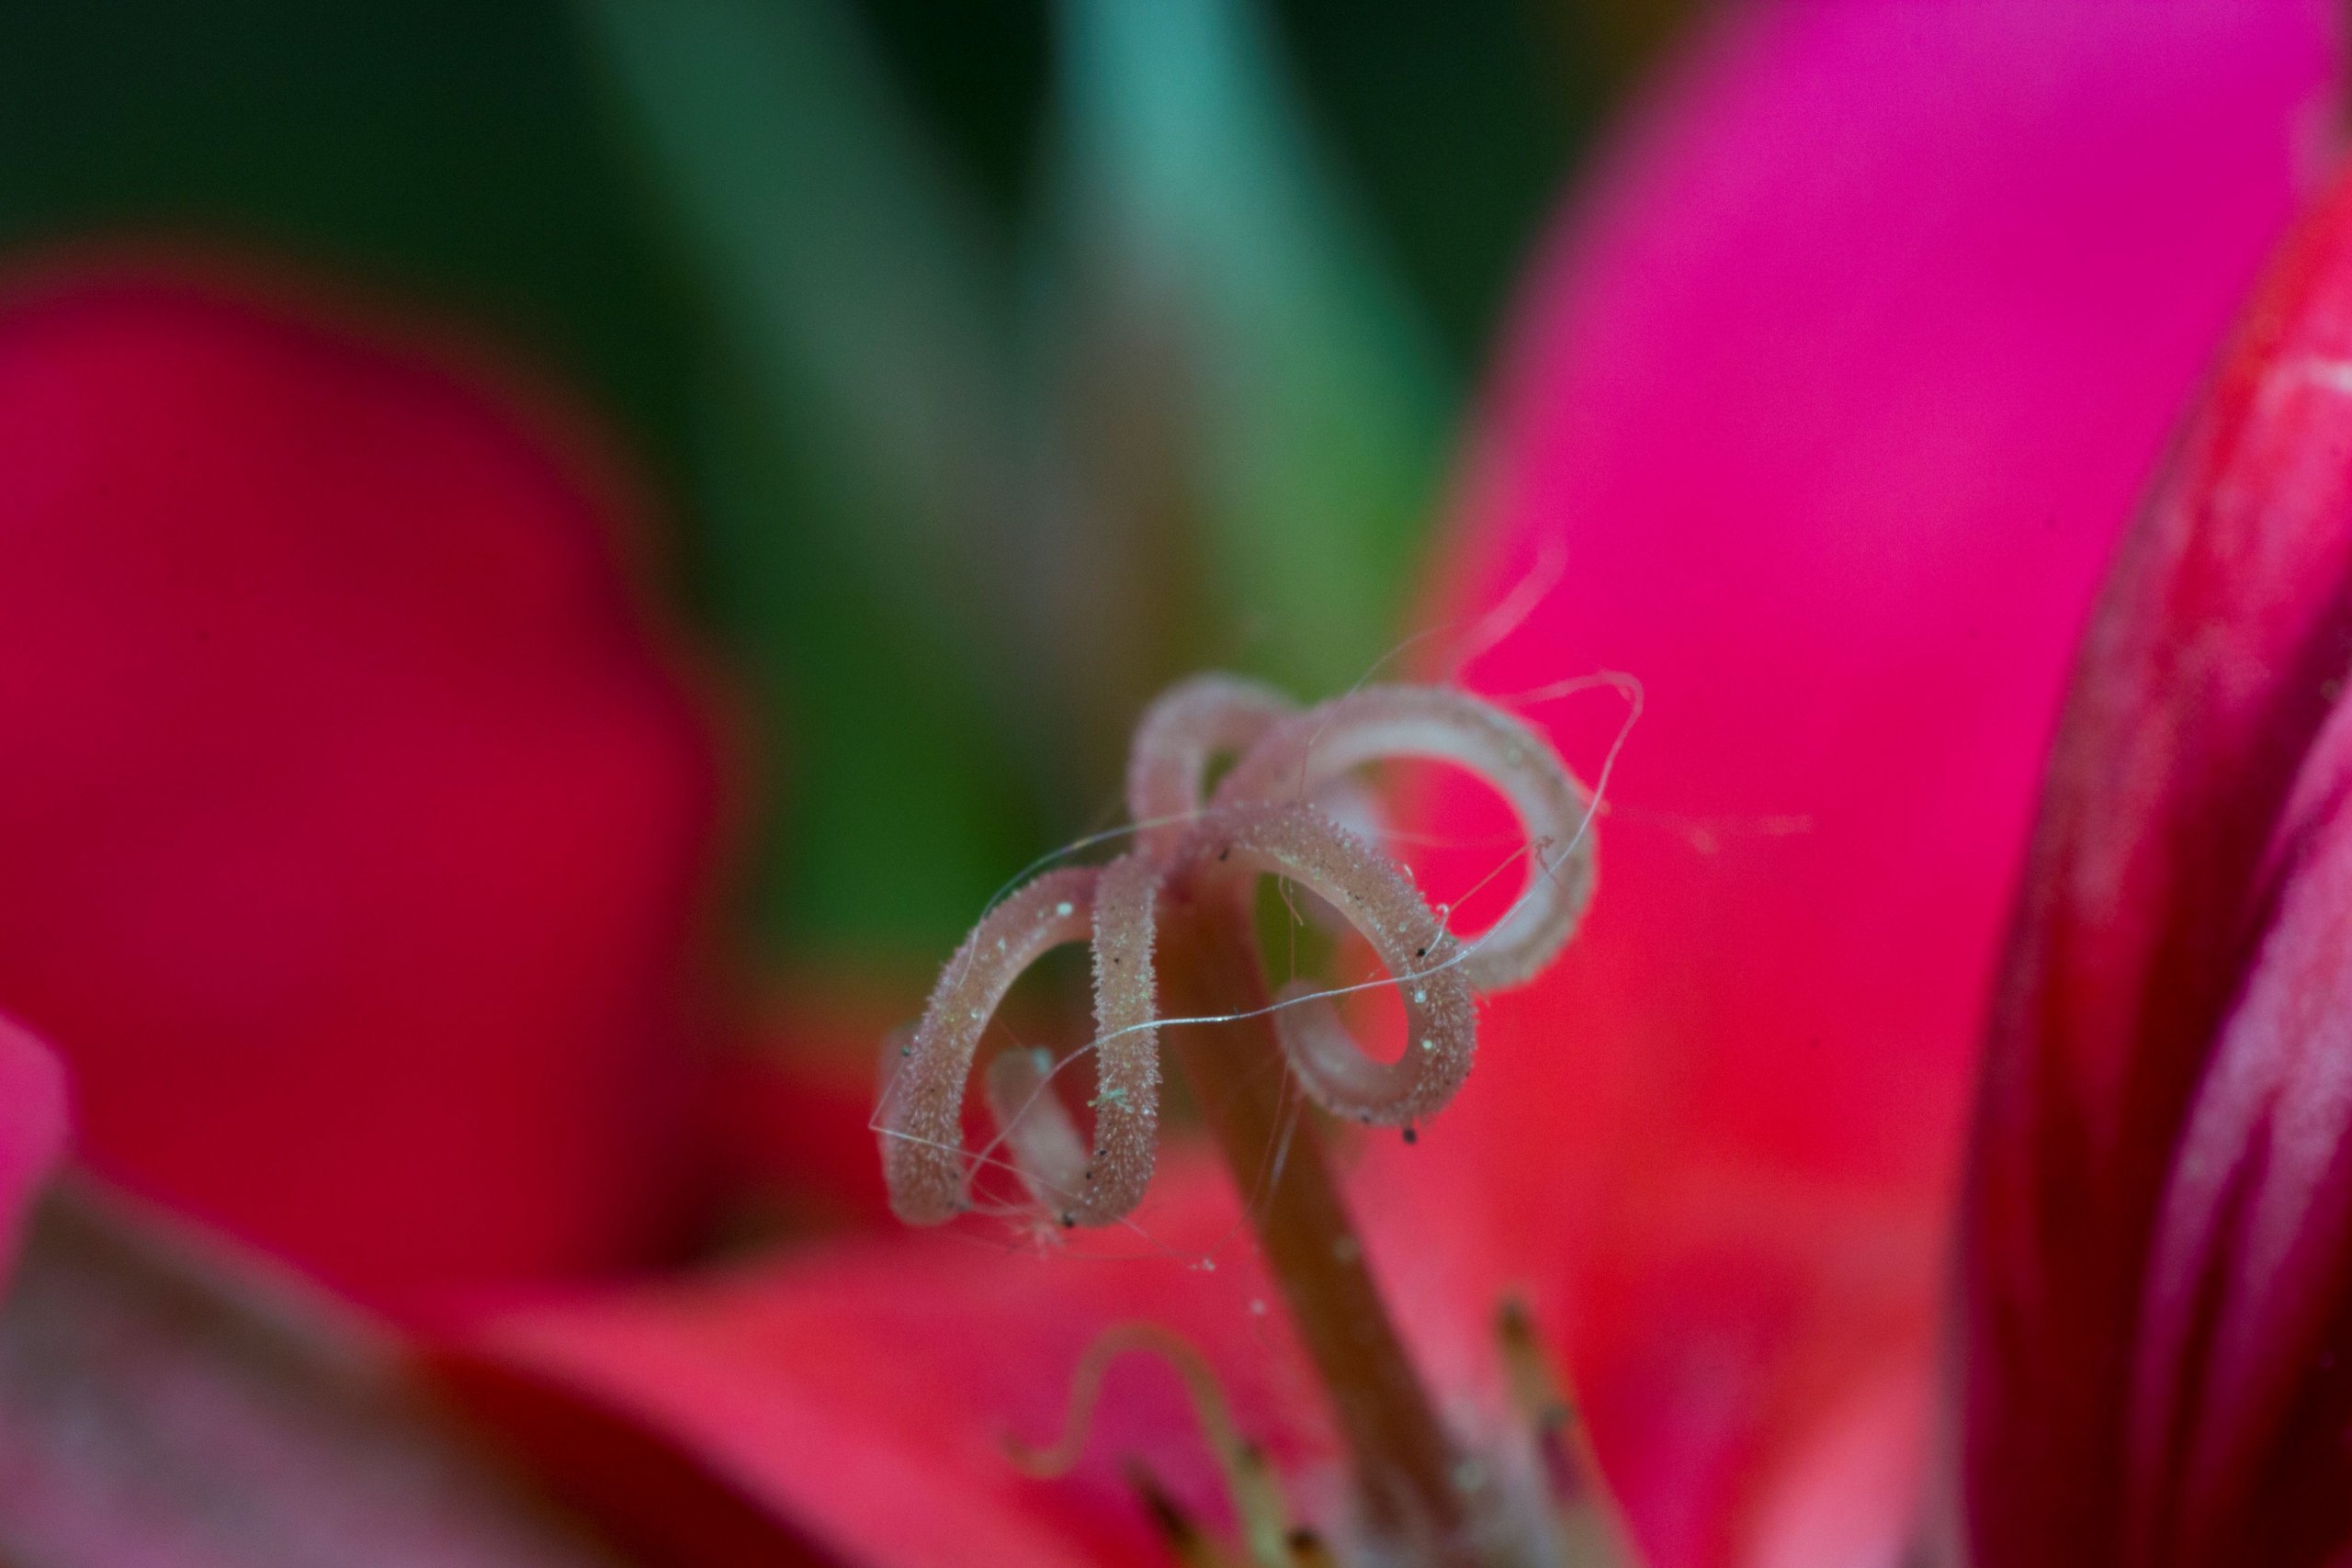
[1176, 951]
[1406, 1467]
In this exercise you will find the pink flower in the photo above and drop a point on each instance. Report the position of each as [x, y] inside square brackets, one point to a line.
[355, 821]
[2159, 1244]
[1828, 406]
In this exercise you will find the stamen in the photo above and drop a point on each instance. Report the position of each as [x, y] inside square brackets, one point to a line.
[1305, 752]
[1185, 728]
[1249, 1480]
[1039, 1135]
[1402, 1455]
[1126, 1048]
[1307, 1551]
[1298, 842]
[1188, 1543]
[1591, 1534]
[1189, 888]
[920, 1118]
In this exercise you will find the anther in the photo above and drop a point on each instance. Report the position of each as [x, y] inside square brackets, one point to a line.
[1248, 1479]
[1571, 1476]
[1307, 1551]
[1185, 1540]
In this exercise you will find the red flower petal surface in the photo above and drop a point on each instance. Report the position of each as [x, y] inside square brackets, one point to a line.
[868, 1392]
[1831, 400]
[2161, 1223]
[788, 1106]
[353, 824]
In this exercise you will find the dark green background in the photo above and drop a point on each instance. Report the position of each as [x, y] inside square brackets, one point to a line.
[483, 161]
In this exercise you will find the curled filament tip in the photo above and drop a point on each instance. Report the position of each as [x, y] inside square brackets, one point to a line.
[1299, 844]
[922, 1114]
[1308, 752]
[1185, 729]
[1272, 815]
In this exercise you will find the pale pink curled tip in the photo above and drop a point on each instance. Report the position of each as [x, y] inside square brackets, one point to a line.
[921, 1119]
[926, 1074]
[1070, 1179]
[1300, 844]
[1309, 754]
[32, 1125]
[1186, 727]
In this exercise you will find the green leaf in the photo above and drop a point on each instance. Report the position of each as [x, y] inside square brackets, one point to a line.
[1315, 412]
[856, 462]
[845, 267]
[903, 814]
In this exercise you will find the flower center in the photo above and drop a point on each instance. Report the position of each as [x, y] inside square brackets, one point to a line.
[1175, 949]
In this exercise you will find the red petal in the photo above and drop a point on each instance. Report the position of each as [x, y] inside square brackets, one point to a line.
[867, 1394]
[789, 1107]
[354, 820]
[1832, 402]
[2172, 1013]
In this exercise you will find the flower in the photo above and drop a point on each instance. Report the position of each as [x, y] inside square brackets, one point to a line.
[1828, 403]
[2161, 1205]
[355, 822]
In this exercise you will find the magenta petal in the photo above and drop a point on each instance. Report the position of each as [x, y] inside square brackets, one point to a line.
[2252, 1242]
[32, 1125]
[866, 1393]
[1830, 406]
[2157, 1238]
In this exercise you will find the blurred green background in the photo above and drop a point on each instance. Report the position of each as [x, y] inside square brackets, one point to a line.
[995, 362]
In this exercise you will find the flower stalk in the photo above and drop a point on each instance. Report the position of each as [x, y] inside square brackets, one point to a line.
[1406, 1464]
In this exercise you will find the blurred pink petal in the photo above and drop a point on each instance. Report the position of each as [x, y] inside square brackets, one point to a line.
[1829, 402]
[355, 817]
[788, 1106]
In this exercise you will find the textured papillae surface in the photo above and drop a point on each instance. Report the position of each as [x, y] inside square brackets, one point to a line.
[1263, 818]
